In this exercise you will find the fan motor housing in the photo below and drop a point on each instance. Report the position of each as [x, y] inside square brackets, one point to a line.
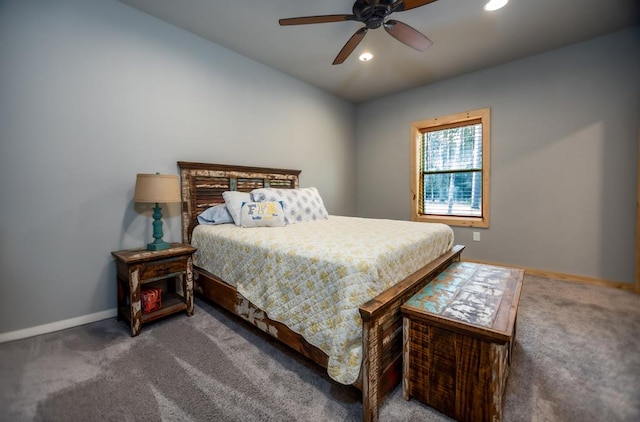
[372, 13]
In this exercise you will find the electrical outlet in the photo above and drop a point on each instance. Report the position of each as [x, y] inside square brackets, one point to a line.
[476, 236]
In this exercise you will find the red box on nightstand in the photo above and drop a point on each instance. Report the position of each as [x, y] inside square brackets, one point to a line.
[151, 299]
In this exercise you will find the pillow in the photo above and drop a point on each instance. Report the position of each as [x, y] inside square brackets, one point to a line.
[218, 214]
[262, 214]
[299, 205]
[234, 201]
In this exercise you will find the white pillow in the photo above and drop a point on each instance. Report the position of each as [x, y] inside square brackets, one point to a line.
[234, 201]
[262, 214]
[218, 214]
[300, 205]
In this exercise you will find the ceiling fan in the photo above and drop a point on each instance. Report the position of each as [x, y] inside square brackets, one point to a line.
[374, 14]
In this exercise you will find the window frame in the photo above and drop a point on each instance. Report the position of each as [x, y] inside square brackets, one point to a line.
[454, 120]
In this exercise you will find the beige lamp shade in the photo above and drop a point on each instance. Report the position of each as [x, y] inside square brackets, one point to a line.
[157, 188]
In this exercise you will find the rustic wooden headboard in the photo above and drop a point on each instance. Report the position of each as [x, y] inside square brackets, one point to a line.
[202, 186]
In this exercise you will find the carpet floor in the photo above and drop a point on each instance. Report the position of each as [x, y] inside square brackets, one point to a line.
[576, 358]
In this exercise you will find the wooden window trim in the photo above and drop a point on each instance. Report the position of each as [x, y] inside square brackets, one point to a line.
[453, 120]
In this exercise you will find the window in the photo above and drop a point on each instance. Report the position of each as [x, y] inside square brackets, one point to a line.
[450, 169]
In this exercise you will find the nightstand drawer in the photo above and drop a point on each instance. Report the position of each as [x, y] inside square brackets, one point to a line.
[162, 269]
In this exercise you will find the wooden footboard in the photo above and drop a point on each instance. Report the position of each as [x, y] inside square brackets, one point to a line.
[382, 334]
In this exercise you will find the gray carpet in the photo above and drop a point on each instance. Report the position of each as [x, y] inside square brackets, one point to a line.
[576, 358]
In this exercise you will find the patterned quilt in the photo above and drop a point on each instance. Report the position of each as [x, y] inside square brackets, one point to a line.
[314, 276]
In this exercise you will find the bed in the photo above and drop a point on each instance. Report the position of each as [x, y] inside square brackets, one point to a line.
[380, 365]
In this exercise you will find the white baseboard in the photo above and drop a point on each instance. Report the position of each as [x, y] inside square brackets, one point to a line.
[57, 326]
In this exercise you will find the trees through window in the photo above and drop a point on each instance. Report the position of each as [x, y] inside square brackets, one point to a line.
[450, 169]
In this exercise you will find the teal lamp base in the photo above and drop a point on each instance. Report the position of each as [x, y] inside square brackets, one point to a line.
[158, 244]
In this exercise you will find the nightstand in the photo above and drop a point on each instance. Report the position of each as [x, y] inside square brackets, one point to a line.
[170, 270]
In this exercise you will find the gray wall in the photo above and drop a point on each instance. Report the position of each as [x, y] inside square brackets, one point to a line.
[564, 146]
[93, 92]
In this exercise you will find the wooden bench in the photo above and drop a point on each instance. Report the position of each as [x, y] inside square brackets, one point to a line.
[458, 332]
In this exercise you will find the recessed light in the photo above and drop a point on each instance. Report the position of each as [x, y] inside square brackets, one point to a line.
[366, 56]
[495, 5]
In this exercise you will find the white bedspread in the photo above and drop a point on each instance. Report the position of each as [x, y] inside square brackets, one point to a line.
[314, 276]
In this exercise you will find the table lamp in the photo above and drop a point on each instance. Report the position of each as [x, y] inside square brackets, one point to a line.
[157, 189]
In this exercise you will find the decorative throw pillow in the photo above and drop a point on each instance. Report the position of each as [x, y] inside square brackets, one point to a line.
[262, 214]
[299, 205]
[218, 214]
[234, 201]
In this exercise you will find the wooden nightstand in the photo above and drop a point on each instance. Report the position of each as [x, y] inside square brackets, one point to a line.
[171, 270]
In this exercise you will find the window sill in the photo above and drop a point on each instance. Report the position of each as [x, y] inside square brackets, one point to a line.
[453, 220]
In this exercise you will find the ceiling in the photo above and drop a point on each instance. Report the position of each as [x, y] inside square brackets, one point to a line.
[466, 38]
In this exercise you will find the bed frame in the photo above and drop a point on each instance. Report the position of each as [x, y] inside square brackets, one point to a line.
[202, 186]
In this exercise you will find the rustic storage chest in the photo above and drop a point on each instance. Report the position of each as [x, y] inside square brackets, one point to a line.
[458, 332]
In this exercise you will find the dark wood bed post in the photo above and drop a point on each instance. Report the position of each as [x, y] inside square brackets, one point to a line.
[382, 334]
[202, 186]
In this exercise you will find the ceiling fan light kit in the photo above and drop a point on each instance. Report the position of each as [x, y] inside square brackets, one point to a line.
[495, 5]
[373, 14]
[365, 57]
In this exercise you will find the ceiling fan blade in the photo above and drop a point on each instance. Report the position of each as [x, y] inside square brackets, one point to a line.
[407, 35]
[305, 20]
[401, 5]
[350, 45]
